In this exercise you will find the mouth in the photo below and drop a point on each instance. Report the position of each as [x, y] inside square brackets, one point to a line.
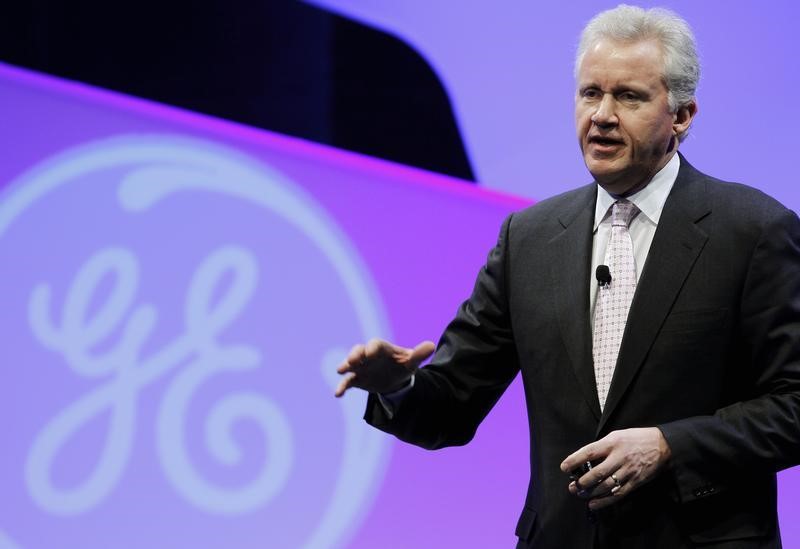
[603, 144]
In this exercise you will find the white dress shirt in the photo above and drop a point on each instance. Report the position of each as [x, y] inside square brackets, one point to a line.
[650, 201]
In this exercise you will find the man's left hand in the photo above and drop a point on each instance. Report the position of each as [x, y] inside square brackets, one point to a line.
[622, 461]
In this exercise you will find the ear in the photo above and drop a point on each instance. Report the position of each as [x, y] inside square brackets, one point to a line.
[683, 117]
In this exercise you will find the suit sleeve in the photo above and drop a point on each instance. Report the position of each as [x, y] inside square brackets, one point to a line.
[475, 361]
[761, 434]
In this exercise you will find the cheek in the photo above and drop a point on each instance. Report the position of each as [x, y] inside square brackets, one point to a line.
[654, 130]
[582, 122]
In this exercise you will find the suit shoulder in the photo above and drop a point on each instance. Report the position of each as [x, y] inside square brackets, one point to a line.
[557, 207]
[745, 202]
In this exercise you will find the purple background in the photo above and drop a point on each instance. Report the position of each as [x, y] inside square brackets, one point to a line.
[420, 237]
[508, 69]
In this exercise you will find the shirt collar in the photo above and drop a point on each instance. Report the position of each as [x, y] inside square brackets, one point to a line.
[650, 199]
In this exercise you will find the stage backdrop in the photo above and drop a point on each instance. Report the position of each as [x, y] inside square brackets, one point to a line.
[177, 292]
[508, 70]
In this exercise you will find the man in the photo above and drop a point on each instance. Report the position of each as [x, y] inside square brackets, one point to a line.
[670, 390]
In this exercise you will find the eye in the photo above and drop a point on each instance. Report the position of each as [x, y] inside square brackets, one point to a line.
[590, 93]
[628, 97]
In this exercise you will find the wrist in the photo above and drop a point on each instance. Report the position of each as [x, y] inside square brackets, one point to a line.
[663, 447]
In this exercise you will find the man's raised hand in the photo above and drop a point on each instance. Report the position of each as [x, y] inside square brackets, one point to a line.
[381, 367]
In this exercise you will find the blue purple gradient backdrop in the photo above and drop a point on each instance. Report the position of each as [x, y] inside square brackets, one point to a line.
[177, 293]
[507, 67]
[177, 289]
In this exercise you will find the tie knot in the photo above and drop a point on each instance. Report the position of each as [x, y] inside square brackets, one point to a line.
[622, 212]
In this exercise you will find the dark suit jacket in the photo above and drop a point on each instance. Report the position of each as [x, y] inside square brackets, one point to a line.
[710, 355]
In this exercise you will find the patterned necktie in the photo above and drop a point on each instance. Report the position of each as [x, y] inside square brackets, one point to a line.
[614, 299]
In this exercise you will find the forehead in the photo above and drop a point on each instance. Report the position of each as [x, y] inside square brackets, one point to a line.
[614, 62]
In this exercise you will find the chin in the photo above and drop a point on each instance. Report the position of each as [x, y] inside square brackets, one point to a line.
[602, 170]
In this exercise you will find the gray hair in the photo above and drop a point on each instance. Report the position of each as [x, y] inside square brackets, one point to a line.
[633, 24]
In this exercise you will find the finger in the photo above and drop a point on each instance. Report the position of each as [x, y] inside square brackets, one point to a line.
[351, 361]
[421, 352]
[591, 452]
[601, 472]
[615, 495]
[593, 478]
[343, 368]
[600, 479]
[593, 481]
[354, 358]
[345, 384]
[597, 490]
[617, 486]
[376, 347]
[609, 486]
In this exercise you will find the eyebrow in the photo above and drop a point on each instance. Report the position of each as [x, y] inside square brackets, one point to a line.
[641, 90]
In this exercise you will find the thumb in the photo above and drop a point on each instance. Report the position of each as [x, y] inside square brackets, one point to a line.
[422, 352]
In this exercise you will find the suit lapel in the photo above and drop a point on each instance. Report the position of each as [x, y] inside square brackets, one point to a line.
[675, 248]
[570, 253]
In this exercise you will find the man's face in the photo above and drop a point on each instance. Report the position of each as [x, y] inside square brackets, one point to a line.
[625, 128]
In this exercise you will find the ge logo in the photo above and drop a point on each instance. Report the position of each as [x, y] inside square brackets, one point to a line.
[173, 313]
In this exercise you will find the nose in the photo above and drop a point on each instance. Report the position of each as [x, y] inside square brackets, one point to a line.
[605, 115]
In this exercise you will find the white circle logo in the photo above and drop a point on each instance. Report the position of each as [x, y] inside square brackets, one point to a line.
[174, 312]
